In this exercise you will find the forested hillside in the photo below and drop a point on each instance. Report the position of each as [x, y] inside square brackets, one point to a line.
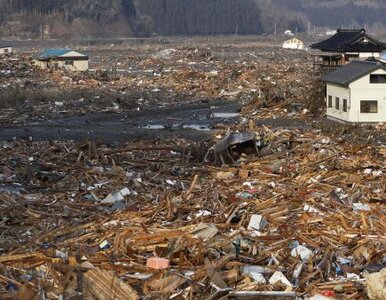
[335, 13]
[61, 18]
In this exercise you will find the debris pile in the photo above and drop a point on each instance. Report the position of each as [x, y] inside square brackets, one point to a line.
[301, 215]
[141, 78]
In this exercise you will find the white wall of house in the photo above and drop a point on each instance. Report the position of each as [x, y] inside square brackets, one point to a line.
[341, 92]
[365, 55]
[357, 91]
[363, 90]
[75, 65]
[6, 50]
[40, 64]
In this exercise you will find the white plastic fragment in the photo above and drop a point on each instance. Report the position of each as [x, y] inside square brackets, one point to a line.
[117, 196]
[298, 270]
[203, 213]
[311, 209]
[279, 277]
[257, 222]
[360, 206]
[256, 272]
[302, 251]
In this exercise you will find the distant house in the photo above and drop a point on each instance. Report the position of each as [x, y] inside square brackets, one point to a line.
[288, 33]
[356, 92]
[345, 46]
[330, 32]
[5, 49]
[294, 43]
[62, 58]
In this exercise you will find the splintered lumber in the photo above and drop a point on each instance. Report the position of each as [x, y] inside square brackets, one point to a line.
[105, 286]
[144, 148]
[16, 257]
[262, 294]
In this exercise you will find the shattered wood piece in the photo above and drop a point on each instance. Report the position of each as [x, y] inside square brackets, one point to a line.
[243, 173]
[105, 286]
[364, 221]
[27, 292]
[232, 214]
[7, 280]
[205, 232]
[351, 236]
[143, 148]
[6, 258]
[262, 294]
[214, 276]
[168, 284]
[191, 189]
[224, 175]
[220, 294]
[157, 237]
[231, 276]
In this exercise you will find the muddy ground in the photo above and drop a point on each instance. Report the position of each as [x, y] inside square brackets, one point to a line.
[190, 121]
[163, 88]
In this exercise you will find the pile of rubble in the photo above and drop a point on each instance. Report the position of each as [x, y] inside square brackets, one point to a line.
[295, 214]
[139, 79]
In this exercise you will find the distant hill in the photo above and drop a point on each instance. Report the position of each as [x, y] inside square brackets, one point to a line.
[69, 18]
[335, 13]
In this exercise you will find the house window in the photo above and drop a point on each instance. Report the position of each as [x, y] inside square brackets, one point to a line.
[69, 62]
[377, 78]
[345, 105]
[329, 101]
[369, 107]
[337, 103]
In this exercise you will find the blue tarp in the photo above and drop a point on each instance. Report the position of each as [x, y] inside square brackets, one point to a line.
[51, 53]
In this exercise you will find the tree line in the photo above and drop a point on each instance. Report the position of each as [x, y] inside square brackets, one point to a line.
[195, 17]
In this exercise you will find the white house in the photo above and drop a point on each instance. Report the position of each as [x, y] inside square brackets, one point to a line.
[330, 32]
[356, 92]
[62, 58]
[5, 49]
[294, 44]
[288, 33]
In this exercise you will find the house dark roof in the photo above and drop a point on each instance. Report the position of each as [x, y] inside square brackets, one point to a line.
[347, 40]
[352, 71]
